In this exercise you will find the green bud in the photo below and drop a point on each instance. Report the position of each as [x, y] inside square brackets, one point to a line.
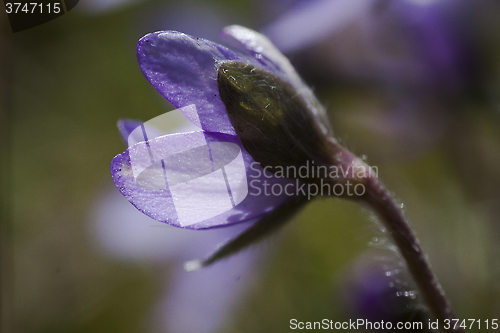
[271, 119]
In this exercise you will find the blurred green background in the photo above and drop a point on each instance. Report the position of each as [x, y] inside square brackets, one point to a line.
[67, 82]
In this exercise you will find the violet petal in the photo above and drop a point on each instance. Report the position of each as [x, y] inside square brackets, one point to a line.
[184, 70]
[134, 131]
[195, 180]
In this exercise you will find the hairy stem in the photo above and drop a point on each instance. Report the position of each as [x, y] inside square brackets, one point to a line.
[378, 198]
[381, 202]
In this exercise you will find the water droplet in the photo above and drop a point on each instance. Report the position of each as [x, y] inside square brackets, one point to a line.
[376, 241]
[393, 272]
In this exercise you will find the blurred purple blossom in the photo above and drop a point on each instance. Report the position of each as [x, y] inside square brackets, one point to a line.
[199, 301]
[376, 288]
[415, 53]
[103, 6]
[310, 22]
[415, 43]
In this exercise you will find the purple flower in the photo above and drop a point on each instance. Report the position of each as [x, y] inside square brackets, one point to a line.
[201, 179]
[376, 288]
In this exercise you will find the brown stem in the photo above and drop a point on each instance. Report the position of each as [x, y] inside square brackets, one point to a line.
[378, 198]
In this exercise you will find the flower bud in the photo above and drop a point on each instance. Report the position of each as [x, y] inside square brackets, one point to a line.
[271, 119]
[276, 126]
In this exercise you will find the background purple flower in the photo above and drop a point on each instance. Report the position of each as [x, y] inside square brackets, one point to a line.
[103, 6]
[188, 302]
[414, 55]
[411, 43]
[375, 287]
